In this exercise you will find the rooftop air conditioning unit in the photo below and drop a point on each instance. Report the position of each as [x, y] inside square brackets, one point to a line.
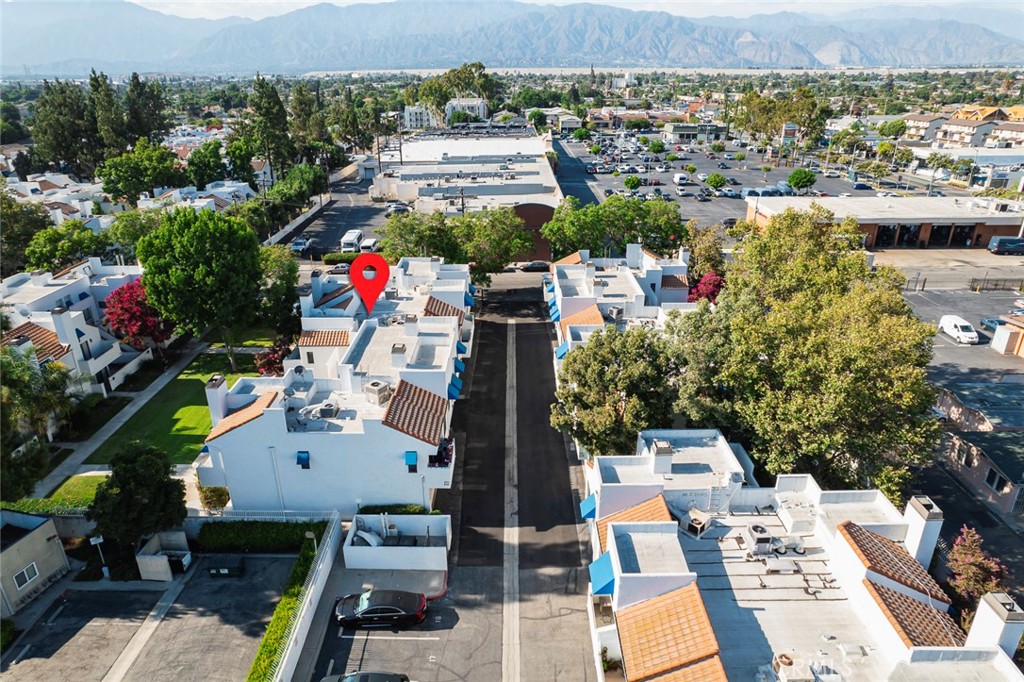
[378, 391]
[758, 539]
[410, 318]
[390, 294]
[662, 447]
[1001, 208]
[615, 312]
[327, 411]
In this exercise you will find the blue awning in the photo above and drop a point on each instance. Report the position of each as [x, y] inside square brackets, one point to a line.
[460, 366]
[411, 457]
[472, 289]
[556, 316]
[588, 507]
[468, 300]
[83, 295]
[79, 333]
[205, 450]
[453, 393]
[302, 459]
[562, 350]
[552, 302]
[461, 347]
[551, 288]
[602, 577]
[456, 382]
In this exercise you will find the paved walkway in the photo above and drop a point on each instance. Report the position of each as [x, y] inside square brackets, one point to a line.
[70, 466]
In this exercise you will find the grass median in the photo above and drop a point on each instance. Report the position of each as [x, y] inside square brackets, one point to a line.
[177, 419]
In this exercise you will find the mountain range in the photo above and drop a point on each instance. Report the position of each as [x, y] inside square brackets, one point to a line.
[67, 39]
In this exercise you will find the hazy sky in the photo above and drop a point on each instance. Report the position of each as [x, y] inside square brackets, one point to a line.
[258, 9]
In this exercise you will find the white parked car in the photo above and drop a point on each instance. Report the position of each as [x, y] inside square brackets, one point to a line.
[831, 174]
[957, 328]
[664, 168]
[702, 176]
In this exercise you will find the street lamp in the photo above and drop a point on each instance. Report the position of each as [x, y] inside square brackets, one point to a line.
[310, 535]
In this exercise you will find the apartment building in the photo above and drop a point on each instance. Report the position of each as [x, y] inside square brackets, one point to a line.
[962, 132]
[474, 106]
[923, 127]
[418, 116]
[1006, 135]
[31, 559]
[698, 574]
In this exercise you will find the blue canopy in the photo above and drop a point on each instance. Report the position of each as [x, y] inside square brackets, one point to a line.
[302, 459]
[562, 350]
[588, 507]
[468, 300]
[552, 302]
[411, 457]
[460, 366]
[453, 393]
[551, 288]
[79, 333]
[472, 289]
[456, 382]
[556, 316]
[205, 450]
[602, 576]
[461, 347]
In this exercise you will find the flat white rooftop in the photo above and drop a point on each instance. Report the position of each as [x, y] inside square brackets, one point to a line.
[757, 613]
[872, 209]
[648, 550]
[421, 150]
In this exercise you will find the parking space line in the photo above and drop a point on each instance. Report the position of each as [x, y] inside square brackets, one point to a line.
[510, 663]
[55, 615]
[21, 655]
[366, 636]
[330, 667]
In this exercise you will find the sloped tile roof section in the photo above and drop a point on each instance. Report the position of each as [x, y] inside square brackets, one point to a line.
[337, 293]
[435, 307]
[654, 509]
[674, 282]
[916, 623]
[242, 416]
[321, 338]
[589, 315]
[572, 259]
[417, 413]
[69, 268]
[668, 638]
[886, 557]
[45, 342]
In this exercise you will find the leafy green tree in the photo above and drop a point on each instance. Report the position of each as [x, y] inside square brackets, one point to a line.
[903, 155]
[270, 125]
[612, 388]
[459, 117]
[716, 181]
[802, 179]
[35, 395]
[21, 222]
[670, 157]
[105, 108]
[595, 150]
[893, 129]
[618, 221]
[241, 149]
[278, 291]
[741, 156]
[145, 110]
[876, 169]
[11, 129]
[656, 147]
[22, 165]
[205, 164]
[55, 248]
[717, 147]
[307, 121]
[61, 129]
[254, 214]
[142, 169]
[131, 226]
[203, 270]
[581, 134]
[631, 182]
[644, 140]
[139, 497]
[705, 251]
[538, 119]
[691, 169]
[938, 160]
[20, 472]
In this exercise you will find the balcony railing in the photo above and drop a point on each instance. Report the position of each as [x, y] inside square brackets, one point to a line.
[445, 454]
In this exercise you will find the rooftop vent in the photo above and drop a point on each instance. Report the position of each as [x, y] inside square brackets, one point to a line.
[378, 392]
[662, 447]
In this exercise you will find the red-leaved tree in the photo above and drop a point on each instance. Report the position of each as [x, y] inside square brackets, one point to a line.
[129, 315]
[975, 572]
[271, 361]
[708, 287]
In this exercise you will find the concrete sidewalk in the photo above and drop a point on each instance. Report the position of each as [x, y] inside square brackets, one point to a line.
[69, 467]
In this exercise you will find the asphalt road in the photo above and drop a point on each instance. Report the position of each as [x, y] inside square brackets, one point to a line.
[351, 210]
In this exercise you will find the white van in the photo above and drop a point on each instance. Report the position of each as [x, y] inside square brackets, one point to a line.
[350, 242]
[680, 178]
[369, 246]
[957, 328]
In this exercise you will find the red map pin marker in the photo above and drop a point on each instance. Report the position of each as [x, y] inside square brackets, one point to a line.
[369, 289]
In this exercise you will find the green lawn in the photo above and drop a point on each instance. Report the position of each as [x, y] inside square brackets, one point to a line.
[256, 337]
[177, 419]
[90, 415]
[143, 376]
[75, 492]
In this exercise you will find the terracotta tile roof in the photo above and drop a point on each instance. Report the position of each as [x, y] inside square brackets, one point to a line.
[654, 509]
[47, 345]
[417, 413]
[915, 622]
[1009, 127]
[435, 307]
[258, 164]
[571, 259]
[708, 670]
[886, 557]
[589, 315]
[337, 293]
[69, 268]
[242, 416]
[330, 337]
[674, 282]
[651, 253]
[66, 209]
[219, 203]
[46, 185]
[666, 635]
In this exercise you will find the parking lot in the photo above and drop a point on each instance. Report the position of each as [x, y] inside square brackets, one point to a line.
[575, 157]
[210, 632]
[352, 210]
[957, 362]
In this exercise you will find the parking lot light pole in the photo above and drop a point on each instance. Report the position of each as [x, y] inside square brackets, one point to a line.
[310, 535]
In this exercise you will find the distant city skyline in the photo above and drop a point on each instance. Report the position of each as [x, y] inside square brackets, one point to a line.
[260, 9]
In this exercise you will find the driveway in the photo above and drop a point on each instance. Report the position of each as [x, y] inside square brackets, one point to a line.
[351, 210]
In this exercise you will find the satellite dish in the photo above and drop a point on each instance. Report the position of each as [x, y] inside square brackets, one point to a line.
[289, 392]
[299, 370]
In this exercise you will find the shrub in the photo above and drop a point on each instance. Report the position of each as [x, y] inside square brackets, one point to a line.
[274, 638]
[335, 258]
[393, 509]
[6, 633]
[256, 536]
[214, 497]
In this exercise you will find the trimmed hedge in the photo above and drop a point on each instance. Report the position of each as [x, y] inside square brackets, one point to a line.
[6, 633]
[395, 509]
[274, 638]
[214, 496]
[335, 258]
[256, 536]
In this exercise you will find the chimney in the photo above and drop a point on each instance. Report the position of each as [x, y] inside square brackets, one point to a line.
[305, 293]
[662, 451]
[584, 255]
[217, 397]
[39, 278]
[64, 326]
[998, 622]
[633, 255]
[412, 326]
[318, 289]
[684, 255]
[398, 355]
[924, 521]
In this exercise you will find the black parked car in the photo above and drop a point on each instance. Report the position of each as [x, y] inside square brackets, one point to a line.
[381, 608]
[608, 191]
[732, 181]
[367, 676]
[536, 266]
